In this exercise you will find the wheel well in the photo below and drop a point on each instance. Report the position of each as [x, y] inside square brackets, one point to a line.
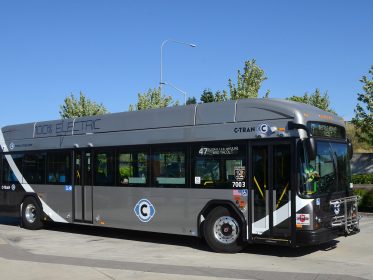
[225, 203]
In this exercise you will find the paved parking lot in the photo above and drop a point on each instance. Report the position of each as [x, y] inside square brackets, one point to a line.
[82, 252]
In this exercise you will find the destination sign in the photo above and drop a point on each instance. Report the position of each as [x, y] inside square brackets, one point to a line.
[211, 151]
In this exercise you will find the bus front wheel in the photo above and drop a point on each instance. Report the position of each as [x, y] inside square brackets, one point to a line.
[223, 231]
[31, 214]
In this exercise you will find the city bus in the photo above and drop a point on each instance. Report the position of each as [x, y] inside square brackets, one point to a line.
[233, 173]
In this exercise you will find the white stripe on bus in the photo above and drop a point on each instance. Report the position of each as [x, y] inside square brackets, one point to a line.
[26, 186]
[281, 214]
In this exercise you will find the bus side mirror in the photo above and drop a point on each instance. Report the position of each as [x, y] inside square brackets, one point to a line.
[350, 149]
[311, 147]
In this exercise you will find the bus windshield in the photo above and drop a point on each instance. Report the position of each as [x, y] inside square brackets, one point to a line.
[329, 172]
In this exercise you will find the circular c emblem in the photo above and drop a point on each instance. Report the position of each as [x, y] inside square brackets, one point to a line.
[11, 146]
[144, 210]
[264, 129]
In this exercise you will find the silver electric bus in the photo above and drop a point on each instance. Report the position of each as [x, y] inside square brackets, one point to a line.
[233, 173]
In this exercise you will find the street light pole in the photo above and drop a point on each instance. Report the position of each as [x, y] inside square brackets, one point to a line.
[162, 45]
[183, 92]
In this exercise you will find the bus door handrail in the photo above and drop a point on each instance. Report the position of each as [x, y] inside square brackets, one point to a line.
[257, 184]
[282, 195]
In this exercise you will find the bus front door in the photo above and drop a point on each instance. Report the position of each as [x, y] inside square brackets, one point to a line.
[83, 190]
[271, 190]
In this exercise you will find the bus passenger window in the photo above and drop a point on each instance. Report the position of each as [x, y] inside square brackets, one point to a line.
[132, 168]
[34, 168]
[208, 171]
[168, 168]
[219, 166]
[8, 175]
[104, 169]
[58, 168]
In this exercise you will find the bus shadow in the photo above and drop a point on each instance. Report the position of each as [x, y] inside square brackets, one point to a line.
[132, 235]
[288, 252]
[186, 241]
[10, 221]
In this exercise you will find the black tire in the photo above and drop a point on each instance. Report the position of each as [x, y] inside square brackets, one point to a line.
[223, 231]
[31, 214]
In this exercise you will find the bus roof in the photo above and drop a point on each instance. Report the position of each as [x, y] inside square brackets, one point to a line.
[234, 111]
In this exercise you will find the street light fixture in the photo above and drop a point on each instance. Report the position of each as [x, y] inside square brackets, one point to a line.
[183, 92]
[162, 45]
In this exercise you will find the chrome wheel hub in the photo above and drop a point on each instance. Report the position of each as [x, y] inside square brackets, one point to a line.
[226, 230]
[30, 213]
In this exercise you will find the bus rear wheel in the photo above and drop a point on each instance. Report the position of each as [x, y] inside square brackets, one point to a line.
[223, 231]
[31, 214]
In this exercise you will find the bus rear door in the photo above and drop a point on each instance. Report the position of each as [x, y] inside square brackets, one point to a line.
[83, 189]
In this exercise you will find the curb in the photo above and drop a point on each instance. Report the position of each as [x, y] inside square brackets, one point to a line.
[366, 214]
[363, 187]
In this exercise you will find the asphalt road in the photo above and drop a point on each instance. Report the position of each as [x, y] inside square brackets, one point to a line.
[82, 252]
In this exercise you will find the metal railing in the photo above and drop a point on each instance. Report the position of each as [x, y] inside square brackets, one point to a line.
[346, 213]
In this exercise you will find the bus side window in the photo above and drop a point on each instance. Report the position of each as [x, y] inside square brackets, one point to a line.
[104, 168]
[132, 168]
[219, 165]
[168, 168]
[8, 175]
[34, 168]
[59, 168]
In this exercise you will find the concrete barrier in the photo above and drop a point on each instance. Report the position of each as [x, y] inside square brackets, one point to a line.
[362, 163]
[367, 187]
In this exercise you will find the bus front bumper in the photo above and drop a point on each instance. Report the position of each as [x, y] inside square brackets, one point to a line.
[320, 236]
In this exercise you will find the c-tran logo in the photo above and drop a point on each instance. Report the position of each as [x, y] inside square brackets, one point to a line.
[263, 129]
[144, 210]
[11, 146]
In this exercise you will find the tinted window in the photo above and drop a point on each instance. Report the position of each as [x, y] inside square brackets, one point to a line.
[8, 175]
[104, 169]
[59, 168]
[132, 168]
[168, 168]
[34, 168]
[219, 165]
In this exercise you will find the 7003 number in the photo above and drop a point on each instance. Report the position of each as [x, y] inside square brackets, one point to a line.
[239, 184]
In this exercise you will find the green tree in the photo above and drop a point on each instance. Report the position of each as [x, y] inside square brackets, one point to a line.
[248, 82]
[221, 96]
[363, 119]
[151, 100]
[191, 100]
[353, 135]
[208, 96]
[73, 108]
[316, 99]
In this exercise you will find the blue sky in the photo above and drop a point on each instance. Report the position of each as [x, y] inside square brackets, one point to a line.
[110, 50]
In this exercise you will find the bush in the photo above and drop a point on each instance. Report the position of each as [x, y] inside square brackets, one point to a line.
[366, 200]
[362, 179]
[366, 203]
